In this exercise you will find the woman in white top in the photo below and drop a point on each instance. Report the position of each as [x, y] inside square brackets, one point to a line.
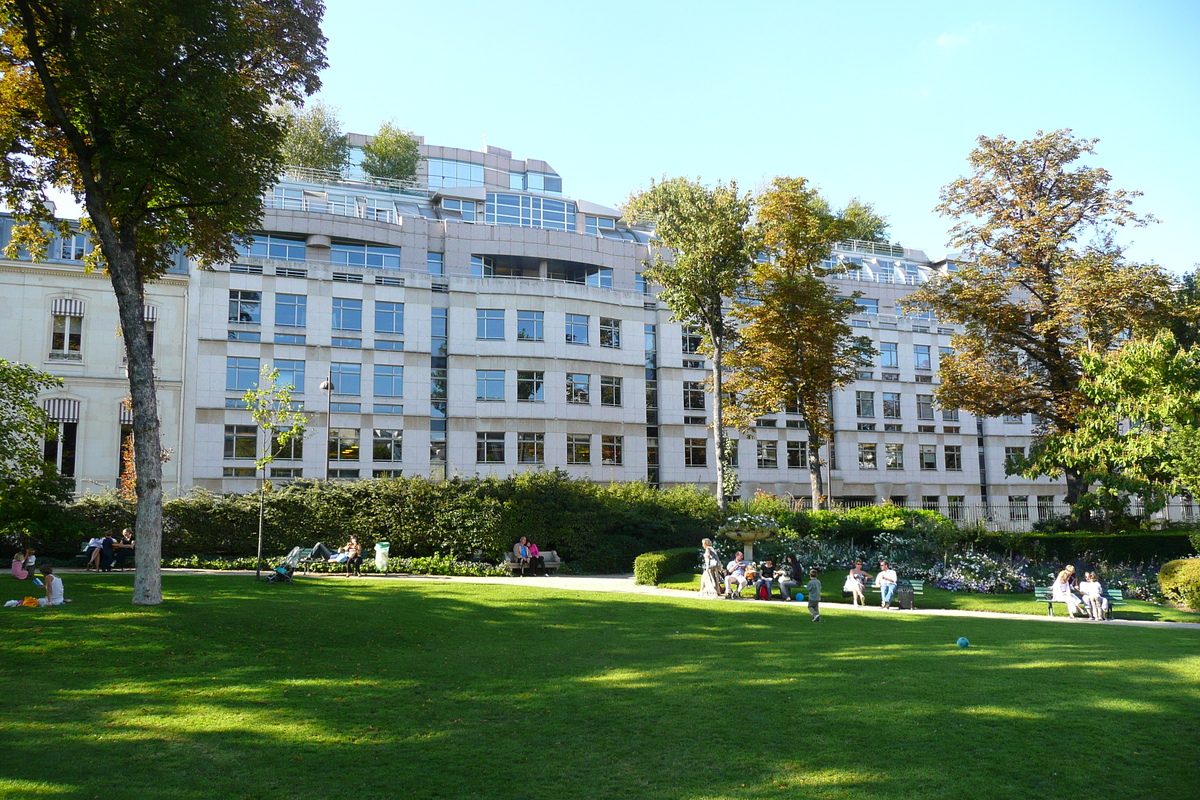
[1060, 591]
[1093, 596]
[711, 577]
[54, 589]
[856, 580]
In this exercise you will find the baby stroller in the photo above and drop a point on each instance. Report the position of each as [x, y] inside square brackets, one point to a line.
[286, 569]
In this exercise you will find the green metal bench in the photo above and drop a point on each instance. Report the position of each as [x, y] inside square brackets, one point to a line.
[918, 587]
[1044, 594]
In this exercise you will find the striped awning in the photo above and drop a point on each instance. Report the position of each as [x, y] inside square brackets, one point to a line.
[126, 413]
[65, 307]
[150, 313]
[61, 409]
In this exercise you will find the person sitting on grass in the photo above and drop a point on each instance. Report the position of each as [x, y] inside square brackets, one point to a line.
[766, 575]
[54, 589]
[787, 578]
[1093, 597]
[18, 566]
[1061, 591]
[735, 572]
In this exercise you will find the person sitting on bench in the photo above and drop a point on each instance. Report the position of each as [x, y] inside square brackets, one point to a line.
[1060, 591]
[735, 571]
[766, 576]
[1093, 596]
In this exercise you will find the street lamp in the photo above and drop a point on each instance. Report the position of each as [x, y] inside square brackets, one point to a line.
[327, 387]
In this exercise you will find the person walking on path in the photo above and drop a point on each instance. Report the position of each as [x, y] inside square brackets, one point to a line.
[814, 595]
[710, 579]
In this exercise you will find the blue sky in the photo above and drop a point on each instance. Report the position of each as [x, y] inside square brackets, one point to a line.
[882, 100]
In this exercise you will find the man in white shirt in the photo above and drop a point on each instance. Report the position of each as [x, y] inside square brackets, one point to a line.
[885, 579]
[736, 572]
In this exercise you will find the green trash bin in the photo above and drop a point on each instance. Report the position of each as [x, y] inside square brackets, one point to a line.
[381, 556]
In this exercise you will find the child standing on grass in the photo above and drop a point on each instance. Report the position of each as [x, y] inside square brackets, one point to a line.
[814, 595]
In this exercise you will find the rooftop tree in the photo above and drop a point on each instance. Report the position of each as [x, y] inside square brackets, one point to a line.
[156, 115]
[1040, 281]
[709, 246]
[315, 139]
[392, 153]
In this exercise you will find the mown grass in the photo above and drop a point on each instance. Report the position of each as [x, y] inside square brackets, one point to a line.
[336, 688]
[831, 591]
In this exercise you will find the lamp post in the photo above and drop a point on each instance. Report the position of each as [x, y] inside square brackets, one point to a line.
[327, 387]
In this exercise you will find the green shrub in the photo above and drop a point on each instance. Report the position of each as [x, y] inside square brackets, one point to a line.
[650, 568]
[1195, 540]
[1180, 581]
[1132, 547]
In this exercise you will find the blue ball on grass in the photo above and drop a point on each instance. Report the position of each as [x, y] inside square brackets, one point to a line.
[962, 642]
[799, 596]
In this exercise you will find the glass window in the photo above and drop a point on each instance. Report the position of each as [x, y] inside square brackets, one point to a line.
[529, 212]
[731, 452]
[389, 381]
[894, 453]
[579, 388]
[489, 384]
[279, 248]
[366, 255]
[921, 356]
[954, 457]
[389, 317]
[467, 209]
[1045, 506]
[639, 282]
[241, 373]
[531, 448]
[489, 448]
[241, 441]
[347, 314]
[291, 310]
[531, 386]
[943, 354]
[695, 452]
[891, 405]
[245, 307]
[797, 455]
[601, 277]
[867, 305]
[928, 453]
[610, 390]
[291, 373]
[693, 395]
[612, 450]
[925, 406]
[949, 415]
[610, 332]
[435, 263]
[530, 326]
[346, 378]
[489, 323]
[1014, 419]
[954, 506]
[865, 403]
[74, 247]
[343, 444]
[66, 339]
[1012, 455]
[445, 172]
[867, 456]
[889, 355]
[579, 448]
[692, 340]
[1018, 507]
[768, 455]
[291, 450]
[577, 329]
[594, 226]
[387, 444]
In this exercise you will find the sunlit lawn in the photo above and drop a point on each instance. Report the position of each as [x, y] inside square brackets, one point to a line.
[831, 591]
[335, 688]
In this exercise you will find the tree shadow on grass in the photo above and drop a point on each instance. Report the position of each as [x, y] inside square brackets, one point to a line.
[381, 689]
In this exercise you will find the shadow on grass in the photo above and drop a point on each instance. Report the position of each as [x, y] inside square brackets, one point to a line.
[381, 689]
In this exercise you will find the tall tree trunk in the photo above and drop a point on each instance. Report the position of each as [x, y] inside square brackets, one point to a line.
[1076, 488]
[718, 426]
[147, 434]
[815, 478]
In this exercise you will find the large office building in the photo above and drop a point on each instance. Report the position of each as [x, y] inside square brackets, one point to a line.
[479, 321]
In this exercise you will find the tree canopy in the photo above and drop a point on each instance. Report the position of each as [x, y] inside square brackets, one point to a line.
[23, 423]
[1039, 281]
[393, 153]
[157, 115]
[709, 246]
[315, 138]
[795, 345]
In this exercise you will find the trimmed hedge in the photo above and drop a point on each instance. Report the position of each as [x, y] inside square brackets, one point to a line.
[430, 565]
[1131, 547]
[650, 568]
[1180, 582]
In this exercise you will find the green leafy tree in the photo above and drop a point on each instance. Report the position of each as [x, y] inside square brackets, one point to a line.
[315, 139]
[1031, 296]
[795, 345]
[863, 222]
[393, 153]
[1139, 432]
[23, 423]
[279, 422]
[156, 115]
[1184, 312]
[709, 246]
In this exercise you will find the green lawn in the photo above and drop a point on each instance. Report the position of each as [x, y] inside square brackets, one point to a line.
[335, 688]
[831, 591]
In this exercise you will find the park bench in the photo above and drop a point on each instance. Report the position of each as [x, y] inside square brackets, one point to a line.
[918, 587]
[553, 562]
[1044, 594]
